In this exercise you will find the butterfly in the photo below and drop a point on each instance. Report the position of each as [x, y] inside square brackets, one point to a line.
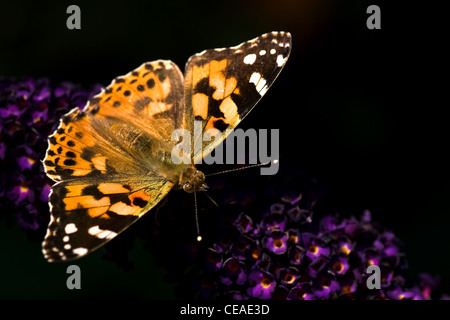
[112, 161]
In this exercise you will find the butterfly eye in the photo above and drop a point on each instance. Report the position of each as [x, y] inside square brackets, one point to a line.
[199, 176]
[188, 187]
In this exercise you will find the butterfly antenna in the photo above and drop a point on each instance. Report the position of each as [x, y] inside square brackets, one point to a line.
[242, 168]
[210, 198]
[199, 237]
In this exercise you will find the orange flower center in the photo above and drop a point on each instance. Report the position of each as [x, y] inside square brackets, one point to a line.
[255, 253]
[338, 267]
[289, 278]
[265, 282]
[278, 243]
[313, 249]
[345, 249]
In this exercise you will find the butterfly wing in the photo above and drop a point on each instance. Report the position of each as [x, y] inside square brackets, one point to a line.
[87, 214]
[111, 161]
[223, 85]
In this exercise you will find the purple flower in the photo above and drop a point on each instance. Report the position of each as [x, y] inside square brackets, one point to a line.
[339, 264]
[10, 110]
[301, 291]
[20, 191]
[261, 284]
[273, 221]
[244, 222]
[344, 245]
[276, 242]
[296, 254]
[399, 293]
[30, 110]
[326, 287]
[288, 276]
[232, 271]
[315, 246]
[45, 192]
[244, 248]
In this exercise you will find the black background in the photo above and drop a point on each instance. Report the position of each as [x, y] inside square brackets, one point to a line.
[363, 111]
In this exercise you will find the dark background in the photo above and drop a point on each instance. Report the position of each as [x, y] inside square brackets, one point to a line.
[363, 111]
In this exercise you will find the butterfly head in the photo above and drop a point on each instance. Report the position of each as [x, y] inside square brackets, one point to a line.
[192, 180]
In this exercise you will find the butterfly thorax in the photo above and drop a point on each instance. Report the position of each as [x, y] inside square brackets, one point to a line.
[192, 180]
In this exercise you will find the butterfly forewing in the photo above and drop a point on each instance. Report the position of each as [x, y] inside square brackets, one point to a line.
[223, 85]
[150, 97]
[108, 159]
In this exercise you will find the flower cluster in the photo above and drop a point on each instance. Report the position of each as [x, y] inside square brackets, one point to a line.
[257, 247]
[30, 110]
[286, 255]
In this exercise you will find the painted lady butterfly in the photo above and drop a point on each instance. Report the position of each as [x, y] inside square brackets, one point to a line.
[112, 162]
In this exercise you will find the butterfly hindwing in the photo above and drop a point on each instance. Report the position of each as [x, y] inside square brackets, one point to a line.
[223, 85]
[85, 215]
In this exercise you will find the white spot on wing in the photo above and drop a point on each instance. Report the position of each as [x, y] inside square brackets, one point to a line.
[273, 51]
[237, 47]
[70, 228]
[255, 78]
[201, 53]
[80, 251]
[261, 87]
[260, 83]
[262, 52]
[101, 234]
[94, 230]
[280, 60]
[264, 90]
[250, 59]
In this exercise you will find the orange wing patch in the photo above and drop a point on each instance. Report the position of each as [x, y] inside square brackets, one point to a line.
[214, 73]
[152, 92]
[63, 158]
[108, 197]
[200, 103]
[86, 215]
[217, 78]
